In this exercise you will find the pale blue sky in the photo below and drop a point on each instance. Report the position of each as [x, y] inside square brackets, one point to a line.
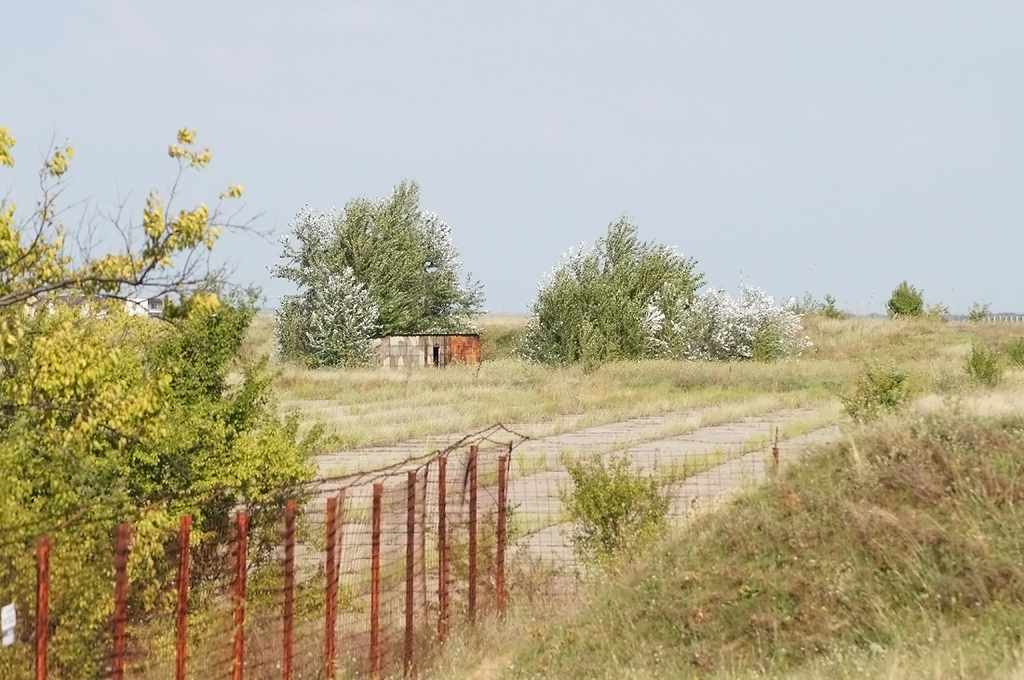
[813, 146]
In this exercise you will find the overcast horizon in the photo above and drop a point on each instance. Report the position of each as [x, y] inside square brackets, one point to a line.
[801, 147]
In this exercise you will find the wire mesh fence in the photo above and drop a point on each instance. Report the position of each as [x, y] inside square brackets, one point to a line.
[360, 575]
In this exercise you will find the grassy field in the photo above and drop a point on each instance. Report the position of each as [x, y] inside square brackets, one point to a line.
[896, 553]
[363, 407]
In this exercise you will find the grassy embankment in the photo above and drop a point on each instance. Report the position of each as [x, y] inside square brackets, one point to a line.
[363, 407]
[897, 553]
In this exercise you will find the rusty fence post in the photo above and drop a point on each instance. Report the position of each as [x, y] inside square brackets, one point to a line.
[410, 571]
[120, 598]
[42, 604]
[499, 557]
[287, 649]
[241, 567]
[442, 551]
[181, 627]
[378, 492]
[422, 529]
[774, 470]
[331, 611]
[474, 454]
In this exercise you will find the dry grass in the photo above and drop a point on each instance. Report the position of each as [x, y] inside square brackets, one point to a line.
[370, 406]
[859, 563]
[894, 554]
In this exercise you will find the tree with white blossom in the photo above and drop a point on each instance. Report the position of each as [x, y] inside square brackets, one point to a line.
[378, 267]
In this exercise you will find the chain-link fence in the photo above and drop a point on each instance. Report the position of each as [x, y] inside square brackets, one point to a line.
[363, 574]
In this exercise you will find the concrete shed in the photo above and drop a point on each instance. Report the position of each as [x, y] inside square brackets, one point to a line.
[395, 351]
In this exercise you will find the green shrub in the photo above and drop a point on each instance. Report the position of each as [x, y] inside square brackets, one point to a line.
[978, 312]
[878, 391]
[805, 306]
[615, 509]
[937, 311]
[1015, 352]
[619, 300]
[906, 301]
[768, 345]
[983, 365]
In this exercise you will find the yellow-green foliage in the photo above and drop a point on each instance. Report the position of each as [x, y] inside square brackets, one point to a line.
[106, 417]
[109, 418]
[33, 257]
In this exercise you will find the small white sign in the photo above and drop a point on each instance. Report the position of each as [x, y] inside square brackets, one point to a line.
[8, 620]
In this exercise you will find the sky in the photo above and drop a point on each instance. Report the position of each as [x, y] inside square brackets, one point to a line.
[822, 147]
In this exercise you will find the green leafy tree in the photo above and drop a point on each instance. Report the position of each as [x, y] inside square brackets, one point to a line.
[906, 301]
[979, 312]
[401, 254]
[619, 300]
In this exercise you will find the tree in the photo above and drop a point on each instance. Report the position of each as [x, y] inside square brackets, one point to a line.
[906, 301]
[108, 417]
[619, 300]
[164, 254]
[401, 255]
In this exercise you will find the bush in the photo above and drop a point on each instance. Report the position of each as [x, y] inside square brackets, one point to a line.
[878, 391]
[829, 309]
[717, 327]
[1015, 352]
[154, 420]
[983, 365]
[937, 312]
[906, 301]
[330, 324]
[978, 312]
[808, 306]
[617, 301]
[615, 509]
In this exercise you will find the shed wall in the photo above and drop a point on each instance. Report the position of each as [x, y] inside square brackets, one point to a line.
[427, 350]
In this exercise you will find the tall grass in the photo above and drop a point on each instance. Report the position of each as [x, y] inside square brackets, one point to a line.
[874, 554]
[361, 407]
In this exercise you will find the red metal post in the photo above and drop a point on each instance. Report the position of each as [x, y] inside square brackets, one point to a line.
[474, 454]
[42, 605]
[442, 551]
[378, 492]
[124, 531]
[332, 586]
[241, 567]
[289, 589]
[499, 557]
[184, 555]
[410, 572]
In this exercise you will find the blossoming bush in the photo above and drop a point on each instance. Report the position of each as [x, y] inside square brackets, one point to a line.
[330, 324]
[718, 327]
